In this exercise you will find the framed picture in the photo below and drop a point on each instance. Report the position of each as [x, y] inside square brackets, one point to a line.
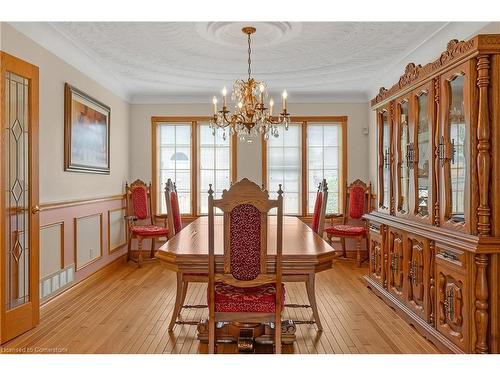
[86, 132]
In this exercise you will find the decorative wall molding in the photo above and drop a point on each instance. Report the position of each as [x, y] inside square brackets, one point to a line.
[77, 202]
[116, 214]
[81, 240]
[47, 243]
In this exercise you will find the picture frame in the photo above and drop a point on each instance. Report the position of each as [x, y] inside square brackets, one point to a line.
[86, 132]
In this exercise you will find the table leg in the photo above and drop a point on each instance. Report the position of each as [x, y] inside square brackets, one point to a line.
[311, 294]
[178, 301]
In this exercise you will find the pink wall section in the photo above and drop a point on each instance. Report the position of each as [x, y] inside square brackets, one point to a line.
[68, 214]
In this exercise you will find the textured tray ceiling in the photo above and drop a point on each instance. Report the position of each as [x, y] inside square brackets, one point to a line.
[188, 59]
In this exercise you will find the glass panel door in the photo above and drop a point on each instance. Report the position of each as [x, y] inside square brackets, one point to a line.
[385, 188]
[404, 149]
[456, 138]
[456, 141]
[19, 182]
[424, 155]
[17, 193]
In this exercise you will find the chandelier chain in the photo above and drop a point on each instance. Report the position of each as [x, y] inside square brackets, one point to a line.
[249, 58]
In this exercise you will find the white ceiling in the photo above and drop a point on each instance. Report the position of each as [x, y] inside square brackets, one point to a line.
[192, 61]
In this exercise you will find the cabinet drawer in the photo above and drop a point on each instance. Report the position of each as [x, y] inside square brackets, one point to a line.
[451, 256]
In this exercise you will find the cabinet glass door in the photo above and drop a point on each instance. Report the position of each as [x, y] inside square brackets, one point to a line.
[423, 174]
[403, 154]
[456, 137]
[384, 161]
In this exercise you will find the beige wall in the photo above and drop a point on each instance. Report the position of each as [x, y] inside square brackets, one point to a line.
[55, 184]
[249, 155]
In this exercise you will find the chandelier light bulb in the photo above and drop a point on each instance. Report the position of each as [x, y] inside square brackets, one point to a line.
[261, 87]
[271, 105]
[224, 93]
[214, 100]
[240, 105]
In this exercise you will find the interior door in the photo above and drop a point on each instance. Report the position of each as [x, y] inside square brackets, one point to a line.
[19, 234]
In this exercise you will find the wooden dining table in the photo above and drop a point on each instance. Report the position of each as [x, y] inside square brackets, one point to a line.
[305, 253]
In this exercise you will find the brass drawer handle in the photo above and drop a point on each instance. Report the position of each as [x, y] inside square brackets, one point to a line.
[447, 255]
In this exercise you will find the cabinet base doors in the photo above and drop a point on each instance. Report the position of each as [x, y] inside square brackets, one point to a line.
[376, 257]
[396, 264]
[452, 303]
[418, 276]
[19, 227]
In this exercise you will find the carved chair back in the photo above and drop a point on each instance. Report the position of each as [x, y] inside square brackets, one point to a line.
[357, 201]
[173, 211]
[245, 208]
[318, 222]
[138, 203]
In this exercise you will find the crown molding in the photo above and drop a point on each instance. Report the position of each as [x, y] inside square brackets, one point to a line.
[44, 34]
[317, 97]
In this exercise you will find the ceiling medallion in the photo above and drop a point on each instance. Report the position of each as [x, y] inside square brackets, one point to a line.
[250, 117]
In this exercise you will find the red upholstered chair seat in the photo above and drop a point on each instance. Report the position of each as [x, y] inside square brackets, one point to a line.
[149, 230]
[254, 299]
[345, 230]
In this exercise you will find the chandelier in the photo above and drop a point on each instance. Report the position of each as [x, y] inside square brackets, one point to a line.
[250, 117]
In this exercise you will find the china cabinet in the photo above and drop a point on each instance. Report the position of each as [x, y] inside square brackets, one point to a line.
[434, 237]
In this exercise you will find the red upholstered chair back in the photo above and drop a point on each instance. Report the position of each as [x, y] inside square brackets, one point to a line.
[138, 202]
[357, 202]
[245, 242]
[318, 222]
[173, 211]
[245, 208]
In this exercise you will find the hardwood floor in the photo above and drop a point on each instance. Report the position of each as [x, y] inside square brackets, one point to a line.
[128, 309]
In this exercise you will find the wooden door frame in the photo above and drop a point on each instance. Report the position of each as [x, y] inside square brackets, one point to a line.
[15, 321]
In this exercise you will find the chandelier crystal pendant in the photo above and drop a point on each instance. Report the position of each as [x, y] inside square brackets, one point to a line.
[250, 117]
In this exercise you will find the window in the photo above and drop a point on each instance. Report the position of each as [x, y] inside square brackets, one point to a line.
[284, 167]
[324, 155]
[311, 149]
[185, 150]
[214, 165]
[174, 161]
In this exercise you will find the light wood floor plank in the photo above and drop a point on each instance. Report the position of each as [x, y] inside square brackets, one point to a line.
[127, 310]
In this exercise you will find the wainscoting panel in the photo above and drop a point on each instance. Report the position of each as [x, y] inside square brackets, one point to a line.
[117, 236]
[51, 249]
[88, 240]
[69, 229]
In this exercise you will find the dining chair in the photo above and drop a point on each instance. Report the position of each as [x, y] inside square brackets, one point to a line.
[141, 222]
[173, 212]
[245, 289]
[317, 226]
[183, 279]
[318, 222]
[352, 224]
